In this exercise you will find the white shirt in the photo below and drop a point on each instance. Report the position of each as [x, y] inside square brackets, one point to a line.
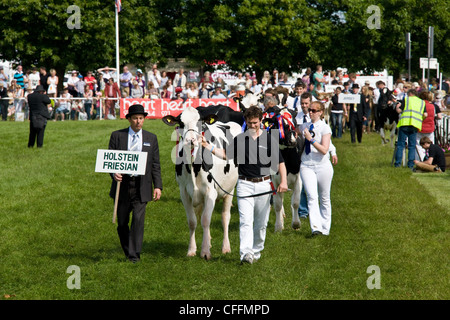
[315, 156]
[155, 78]
[130, 138]
[299, 118]
[34, 79]
[376, 95]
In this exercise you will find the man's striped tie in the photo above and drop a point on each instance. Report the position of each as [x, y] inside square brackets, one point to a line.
[134, 143]
[134, 146]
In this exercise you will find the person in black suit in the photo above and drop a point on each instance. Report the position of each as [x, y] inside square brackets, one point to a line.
[135, 191]
[4, 100]
[38, 104]
[359, 112]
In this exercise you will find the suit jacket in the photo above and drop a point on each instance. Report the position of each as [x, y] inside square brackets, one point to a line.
[115, 92]
[177, 79]
[38, 104]
[152, 177]
[363, 108]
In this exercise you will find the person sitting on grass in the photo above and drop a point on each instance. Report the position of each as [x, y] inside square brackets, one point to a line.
[434, 159]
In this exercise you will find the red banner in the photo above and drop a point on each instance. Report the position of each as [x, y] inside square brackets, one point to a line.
[159, 108]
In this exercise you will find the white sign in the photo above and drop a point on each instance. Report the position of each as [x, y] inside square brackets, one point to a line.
[121, 161]
[331, 88]
[349, 98]
[424, 63]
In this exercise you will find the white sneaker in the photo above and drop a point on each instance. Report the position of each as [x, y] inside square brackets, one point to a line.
[248, 258]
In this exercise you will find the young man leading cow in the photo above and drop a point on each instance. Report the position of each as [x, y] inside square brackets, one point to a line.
[257, 157]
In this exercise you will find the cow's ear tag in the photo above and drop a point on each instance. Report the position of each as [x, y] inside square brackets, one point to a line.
[211, 120]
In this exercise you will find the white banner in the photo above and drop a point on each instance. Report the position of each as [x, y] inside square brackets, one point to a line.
[424, 63]
[349, 98]
[120, 161]
[331, 88]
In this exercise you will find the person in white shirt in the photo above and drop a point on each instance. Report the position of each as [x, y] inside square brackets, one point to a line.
[295, 103]
[34, 79]
[180, 79]
[255, 87]
[192, 91]
[155, 77]
[218, 93]
[107, 73]
[316, 169]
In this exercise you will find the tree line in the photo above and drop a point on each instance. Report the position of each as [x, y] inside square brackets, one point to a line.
[249, 35]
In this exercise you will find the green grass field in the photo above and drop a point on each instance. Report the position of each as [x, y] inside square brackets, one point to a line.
[55, 213]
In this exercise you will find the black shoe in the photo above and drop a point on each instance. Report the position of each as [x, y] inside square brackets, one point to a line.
[316, 233]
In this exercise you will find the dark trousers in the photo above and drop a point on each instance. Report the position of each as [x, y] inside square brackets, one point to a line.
[131, 237]
[4, 109]
[36, 134]
[355, 126]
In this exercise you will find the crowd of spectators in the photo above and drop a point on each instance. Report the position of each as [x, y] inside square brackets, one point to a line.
[158, 84]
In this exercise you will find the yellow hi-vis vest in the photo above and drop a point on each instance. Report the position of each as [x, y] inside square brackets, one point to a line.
[412, 115]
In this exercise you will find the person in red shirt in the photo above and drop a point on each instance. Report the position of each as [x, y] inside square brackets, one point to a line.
[90, 80]
[111, 91]
[428, 124]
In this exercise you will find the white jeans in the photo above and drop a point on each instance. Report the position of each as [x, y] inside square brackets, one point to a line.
[253, 216]
[317, 183]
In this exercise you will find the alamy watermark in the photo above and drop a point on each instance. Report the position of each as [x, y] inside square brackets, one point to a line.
[74, 281]
[374, 21]
[74, 21]
[374, 281]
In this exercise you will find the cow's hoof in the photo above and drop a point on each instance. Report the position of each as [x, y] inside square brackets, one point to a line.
[296, 225]
[206, 256]
[191, 253]
[226, 249]
[278, 228]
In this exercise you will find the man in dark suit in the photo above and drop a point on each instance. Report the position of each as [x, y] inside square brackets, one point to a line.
[135, 191]
[359, 113]
[38, 104]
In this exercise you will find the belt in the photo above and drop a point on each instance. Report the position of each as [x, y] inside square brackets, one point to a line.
[260, 179]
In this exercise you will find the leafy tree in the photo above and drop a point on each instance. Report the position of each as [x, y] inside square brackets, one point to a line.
[36, 32]
[358, 45]
[262, 34]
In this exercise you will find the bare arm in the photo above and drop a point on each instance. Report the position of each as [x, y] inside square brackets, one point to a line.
[219, 153]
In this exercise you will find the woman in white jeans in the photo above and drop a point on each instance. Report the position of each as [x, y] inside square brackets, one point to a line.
[316, 170]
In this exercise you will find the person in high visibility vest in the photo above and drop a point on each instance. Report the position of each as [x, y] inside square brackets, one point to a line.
[412, 112]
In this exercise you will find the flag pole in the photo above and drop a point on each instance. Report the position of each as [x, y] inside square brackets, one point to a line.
[117, 46]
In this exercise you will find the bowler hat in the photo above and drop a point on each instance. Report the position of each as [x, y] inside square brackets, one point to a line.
[39, 88]
[136, 109]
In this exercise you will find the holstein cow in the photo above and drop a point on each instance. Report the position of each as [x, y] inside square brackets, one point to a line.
[388, 121]
[198, 191]
[248, 100]
[284, 120]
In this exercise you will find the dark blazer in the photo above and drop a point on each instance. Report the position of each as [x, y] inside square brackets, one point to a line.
[363, 108]
[119, 141]
[38, 103]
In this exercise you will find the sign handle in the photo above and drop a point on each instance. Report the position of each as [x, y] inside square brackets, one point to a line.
[116, 201]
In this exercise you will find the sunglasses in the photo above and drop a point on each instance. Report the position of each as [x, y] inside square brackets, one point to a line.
[313, 110]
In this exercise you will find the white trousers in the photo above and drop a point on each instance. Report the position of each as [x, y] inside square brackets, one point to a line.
[317, 183]
[253, 216]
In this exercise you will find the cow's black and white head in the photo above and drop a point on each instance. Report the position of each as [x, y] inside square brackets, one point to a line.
[282, 120]
[191, 126]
